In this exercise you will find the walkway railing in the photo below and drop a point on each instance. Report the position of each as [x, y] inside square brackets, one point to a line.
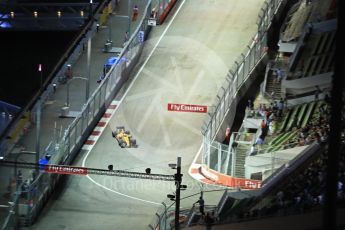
[165, 214]
[69, 57]
[101, 98]
[68, 146]
[241, 69]
[236, 77]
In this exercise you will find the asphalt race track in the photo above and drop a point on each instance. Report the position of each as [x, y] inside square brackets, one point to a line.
[185, 61]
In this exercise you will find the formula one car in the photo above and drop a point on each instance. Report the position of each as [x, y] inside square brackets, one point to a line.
[124, 138]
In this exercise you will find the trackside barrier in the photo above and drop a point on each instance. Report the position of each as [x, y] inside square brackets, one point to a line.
[67, 147]
[166, 9]
[161, 9]
[69, 57]
[229, 181]
[214, 152]
[256, 49]
[164, 218]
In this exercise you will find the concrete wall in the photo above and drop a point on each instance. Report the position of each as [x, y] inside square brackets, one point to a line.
[237, 107]
[307, 84]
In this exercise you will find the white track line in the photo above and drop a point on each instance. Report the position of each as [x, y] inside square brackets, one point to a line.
[119, 103]
[122, 194]
[148, 58]
[195, 158]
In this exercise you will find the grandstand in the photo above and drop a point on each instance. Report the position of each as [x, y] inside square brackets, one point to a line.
[274, 165]
[283, 140]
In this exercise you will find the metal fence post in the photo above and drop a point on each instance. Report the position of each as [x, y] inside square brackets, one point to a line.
[209, 153]
[226, 168]
[219, 157]
[204, 152]
[233, 156]
[165, 215]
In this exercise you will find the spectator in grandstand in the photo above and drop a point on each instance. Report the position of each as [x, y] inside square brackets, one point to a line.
[310, 28]
[260, 140]
[265, 130]
[19, 177]
[271, 118]
[327, 98]
[253, 150]
[267, 114]
[280, 198]
[262, 110]
[279, 75]
[317, 137]
[250, 105]
[280, 107]
[264, 107]
[272, 127]
[324, 137]
[135, 13]
[209, 220]
[306, 189]
[153, 13]
[301, 141]
[323, 110]
[226, 140]
[317, 92]
[201, 203]
[308, 140]
[301, 135]
[272, 95]
[274, 106]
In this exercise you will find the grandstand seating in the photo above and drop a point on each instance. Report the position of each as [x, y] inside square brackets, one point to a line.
[321, 57]
[295, 119]
[308, 114]
[301, 114]
[303, 187]
[295, 20]
[291, 124]
[297, 191]
[278, 142]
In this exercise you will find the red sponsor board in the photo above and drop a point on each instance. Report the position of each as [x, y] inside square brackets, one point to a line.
[187, 108]
[229, 181]
[166, 11]
[57, 169]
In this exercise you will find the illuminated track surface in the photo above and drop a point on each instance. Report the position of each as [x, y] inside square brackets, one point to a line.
[185, 61]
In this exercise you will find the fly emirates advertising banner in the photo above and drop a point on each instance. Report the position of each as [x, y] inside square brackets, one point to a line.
[187, 108]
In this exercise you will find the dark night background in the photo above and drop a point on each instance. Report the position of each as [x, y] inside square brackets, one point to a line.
[20, 54]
